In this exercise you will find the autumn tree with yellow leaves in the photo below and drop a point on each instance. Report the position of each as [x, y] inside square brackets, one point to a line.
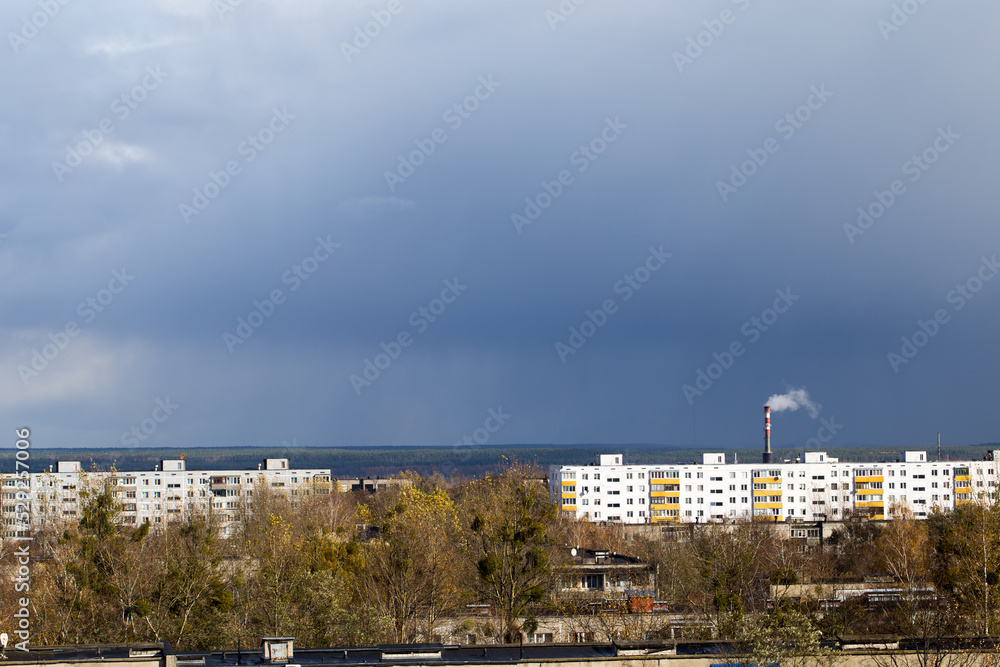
[410, 571]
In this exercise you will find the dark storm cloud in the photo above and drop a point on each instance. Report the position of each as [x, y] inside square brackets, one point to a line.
[243, 140]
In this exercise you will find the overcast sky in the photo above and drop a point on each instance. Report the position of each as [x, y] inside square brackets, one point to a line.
[373, 222]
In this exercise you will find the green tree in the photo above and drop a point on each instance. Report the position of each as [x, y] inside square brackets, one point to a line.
[191, 598]
[510, 520]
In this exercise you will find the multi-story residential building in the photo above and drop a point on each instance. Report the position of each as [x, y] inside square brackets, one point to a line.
[817, 488]
[53, 498]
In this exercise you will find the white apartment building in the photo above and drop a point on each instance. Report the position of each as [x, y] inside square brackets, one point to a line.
[818, 488]
[52, 498]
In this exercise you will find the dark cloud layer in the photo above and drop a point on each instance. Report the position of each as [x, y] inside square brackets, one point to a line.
[287, 135]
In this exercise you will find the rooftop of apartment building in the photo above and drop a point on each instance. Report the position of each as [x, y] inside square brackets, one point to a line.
[809, 457]
[174, 465]
[161, 654]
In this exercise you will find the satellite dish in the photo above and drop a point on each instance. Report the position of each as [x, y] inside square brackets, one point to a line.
[572, 552]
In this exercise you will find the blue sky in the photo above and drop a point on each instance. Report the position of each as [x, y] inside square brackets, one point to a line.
[371, 223]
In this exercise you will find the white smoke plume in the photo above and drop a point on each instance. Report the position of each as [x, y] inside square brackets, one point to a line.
[793, 400]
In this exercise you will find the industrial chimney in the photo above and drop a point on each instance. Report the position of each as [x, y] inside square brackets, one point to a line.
[768, 456]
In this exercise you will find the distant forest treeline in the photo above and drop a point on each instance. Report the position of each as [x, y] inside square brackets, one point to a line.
[471, 462]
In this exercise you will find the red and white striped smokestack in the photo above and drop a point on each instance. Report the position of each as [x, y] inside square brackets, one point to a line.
[768, 457]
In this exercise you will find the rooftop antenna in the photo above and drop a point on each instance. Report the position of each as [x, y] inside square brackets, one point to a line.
[939, 446]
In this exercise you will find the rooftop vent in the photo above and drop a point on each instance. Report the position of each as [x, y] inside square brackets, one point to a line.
[276, 650]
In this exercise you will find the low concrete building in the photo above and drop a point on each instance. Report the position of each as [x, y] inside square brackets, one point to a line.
[607, 574]
[371, 484]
